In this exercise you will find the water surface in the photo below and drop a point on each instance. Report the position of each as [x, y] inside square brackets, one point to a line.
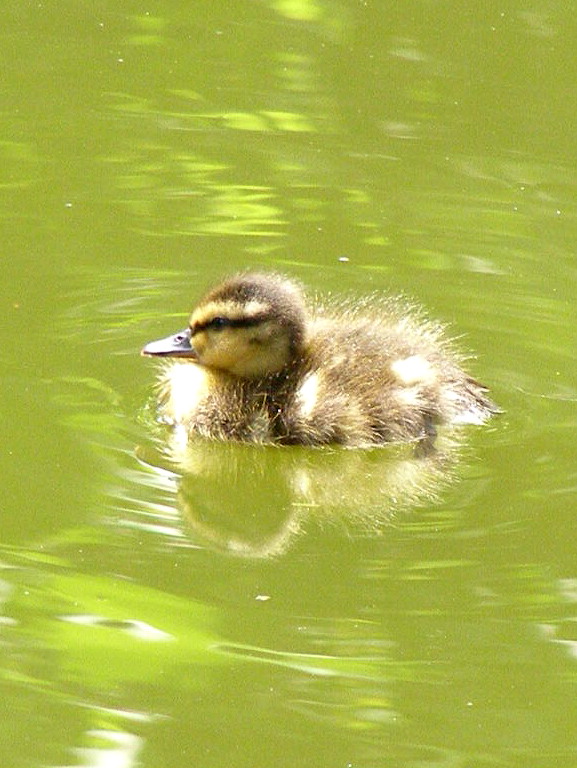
[248, 606]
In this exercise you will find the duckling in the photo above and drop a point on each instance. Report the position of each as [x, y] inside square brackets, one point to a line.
[260, 363]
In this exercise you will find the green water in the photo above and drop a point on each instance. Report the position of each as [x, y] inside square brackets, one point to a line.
[241, 606]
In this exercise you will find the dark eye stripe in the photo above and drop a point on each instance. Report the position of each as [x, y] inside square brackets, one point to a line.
[219, 322]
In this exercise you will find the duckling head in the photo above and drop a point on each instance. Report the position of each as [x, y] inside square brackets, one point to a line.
[251, 326]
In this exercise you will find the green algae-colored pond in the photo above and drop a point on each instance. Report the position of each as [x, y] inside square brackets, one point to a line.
[240, 606]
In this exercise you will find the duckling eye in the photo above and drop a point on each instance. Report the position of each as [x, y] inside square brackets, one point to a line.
[218, 323]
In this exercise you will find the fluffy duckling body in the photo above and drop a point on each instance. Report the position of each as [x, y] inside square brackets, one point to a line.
[258, 363]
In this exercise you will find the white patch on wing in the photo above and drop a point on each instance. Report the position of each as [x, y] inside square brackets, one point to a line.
[413, 370]
[409, 396]
[307, 394]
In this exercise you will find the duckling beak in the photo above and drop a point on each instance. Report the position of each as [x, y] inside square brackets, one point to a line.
[178, 345]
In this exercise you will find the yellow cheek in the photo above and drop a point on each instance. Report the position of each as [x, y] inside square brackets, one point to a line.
[199, 342]
[224, 352]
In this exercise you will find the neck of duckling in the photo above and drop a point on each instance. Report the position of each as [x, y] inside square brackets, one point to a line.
[283, 357]
[283, 379]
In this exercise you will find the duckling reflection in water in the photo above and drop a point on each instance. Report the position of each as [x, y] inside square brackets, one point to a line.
[252, 502]
[258, 363]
